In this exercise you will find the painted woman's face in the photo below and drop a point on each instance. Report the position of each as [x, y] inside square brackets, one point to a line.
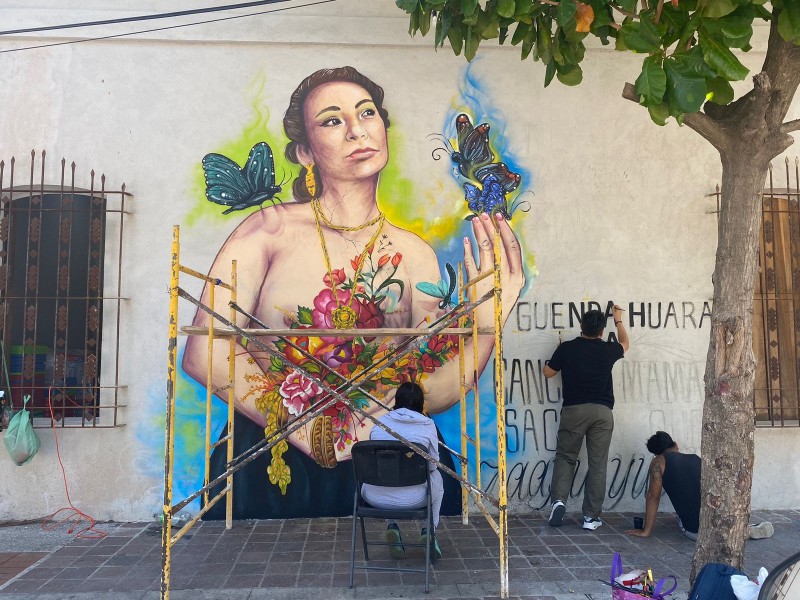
[346, 135]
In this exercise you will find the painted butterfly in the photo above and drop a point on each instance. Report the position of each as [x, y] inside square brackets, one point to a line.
[506, 178]
[443, 289]
[239, 188]
[473, 146]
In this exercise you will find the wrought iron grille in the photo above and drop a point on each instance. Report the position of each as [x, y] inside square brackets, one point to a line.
[60, 294]
[776, 305]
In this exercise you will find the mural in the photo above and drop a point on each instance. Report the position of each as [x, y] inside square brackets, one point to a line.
[333, 258]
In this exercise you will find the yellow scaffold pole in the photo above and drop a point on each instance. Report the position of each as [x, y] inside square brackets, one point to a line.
[462, 404]
[231, 401]
[169, 443]
[212, 286]
[499, 391]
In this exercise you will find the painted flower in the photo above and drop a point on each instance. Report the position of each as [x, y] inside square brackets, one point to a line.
[437, 343]
[342, 438]
[368, 315]
[338, 278]
[429, 363]
[396, 259]
[339, 355]
[324, 304]
[383, 260]
[298, 392]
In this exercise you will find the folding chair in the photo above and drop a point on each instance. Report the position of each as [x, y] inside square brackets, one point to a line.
[389, 464]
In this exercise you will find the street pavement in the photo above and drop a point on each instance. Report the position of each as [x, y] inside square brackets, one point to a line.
[309, 558]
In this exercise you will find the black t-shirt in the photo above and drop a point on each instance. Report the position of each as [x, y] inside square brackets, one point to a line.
[681, 481]
[585, 365]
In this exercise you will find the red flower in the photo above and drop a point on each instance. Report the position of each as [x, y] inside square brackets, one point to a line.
[396, 259]
[429, 363]
[355, 262]
[338, 277]
[383, 260]
[368, 316]
[437, 343]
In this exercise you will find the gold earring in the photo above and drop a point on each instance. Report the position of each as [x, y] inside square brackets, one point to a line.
[311, 184]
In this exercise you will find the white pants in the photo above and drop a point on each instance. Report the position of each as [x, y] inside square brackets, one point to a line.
[412, 496]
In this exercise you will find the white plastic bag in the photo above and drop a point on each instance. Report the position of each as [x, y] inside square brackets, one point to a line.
[744, 589]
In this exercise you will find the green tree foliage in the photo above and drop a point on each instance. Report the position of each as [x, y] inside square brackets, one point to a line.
[687, 43]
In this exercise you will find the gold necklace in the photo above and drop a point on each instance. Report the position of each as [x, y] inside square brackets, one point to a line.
[346, 227]
[344, 316]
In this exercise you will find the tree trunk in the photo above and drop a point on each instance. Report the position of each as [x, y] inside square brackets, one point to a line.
[748, 134]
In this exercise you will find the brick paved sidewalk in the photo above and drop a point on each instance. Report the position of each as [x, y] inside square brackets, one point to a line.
[305, 558]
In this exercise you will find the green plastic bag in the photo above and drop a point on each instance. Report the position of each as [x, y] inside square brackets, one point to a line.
[20, 439]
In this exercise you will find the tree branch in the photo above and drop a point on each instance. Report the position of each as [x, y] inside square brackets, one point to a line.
[790, 126]
[699, 122]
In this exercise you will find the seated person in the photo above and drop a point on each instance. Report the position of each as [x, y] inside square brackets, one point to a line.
[679, 475]
[408, 421]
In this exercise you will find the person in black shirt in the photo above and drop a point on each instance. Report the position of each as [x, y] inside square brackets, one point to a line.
[678, 474]
[585, 365]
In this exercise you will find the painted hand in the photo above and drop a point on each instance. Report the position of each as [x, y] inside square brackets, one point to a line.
[512, 273]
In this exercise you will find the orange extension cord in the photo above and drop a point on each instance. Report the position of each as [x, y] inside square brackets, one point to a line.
[74, 517]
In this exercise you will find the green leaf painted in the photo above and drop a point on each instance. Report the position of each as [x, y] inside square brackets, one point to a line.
[720, 58]
[720, 91]
[652, 82]
[304, 315]
[686, 90]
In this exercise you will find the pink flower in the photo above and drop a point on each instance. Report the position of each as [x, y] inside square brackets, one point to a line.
[338, 277]
[298, 392]
[324, 304]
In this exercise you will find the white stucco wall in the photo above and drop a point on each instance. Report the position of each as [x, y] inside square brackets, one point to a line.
[620, 213]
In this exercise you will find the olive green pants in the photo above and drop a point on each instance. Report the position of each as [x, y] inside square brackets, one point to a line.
[595, 422]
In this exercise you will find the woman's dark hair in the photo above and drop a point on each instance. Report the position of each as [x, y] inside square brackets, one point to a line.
[410, 395]
[294, 123]
[660, 442]
[593, 322]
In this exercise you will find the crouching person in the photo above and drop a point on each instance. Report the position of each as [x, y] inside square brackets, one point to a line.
[407, 420]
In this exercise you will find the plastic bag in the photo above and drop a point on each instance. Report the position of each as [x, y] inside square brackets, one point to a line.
[746, 589]
[20, 439]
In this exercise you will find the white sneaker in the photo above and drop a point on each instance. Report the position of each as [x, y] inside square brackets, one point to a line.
[591, 523]
[557, 514]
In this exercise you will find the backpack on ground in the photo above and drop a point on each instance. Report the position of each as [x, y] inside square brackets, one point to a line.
[714, 583]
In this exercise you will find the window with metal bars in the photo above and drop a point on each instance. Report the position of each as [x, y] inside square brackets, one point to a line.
[776, 308]
[60, 295]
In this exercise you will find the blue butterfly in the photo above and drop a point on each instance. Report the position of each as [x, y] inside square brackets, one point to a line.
[473, 146]
[239, 188]
[443, 289]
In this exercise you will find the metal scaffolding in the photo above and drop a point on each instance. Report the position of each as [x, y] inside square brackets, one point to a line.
[460, 321]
